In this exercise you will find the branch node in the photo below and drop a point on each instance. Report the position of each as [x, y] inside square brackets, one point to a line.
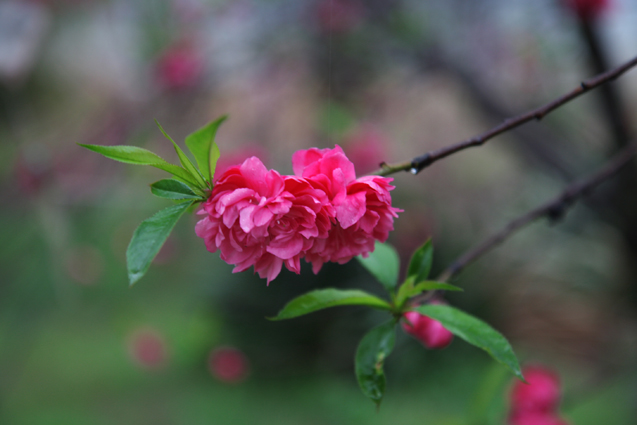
[420, 162]
[556, 212]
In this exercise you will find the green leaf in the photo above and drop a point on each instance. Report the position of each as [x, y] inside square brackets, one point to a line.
[172, 189]
[408, 289]
[202, 145]
[420, 263]
[330, 297]
[429, 285]
[372, 351]
[475, 332]
[140, 156]
[185, 161]
[149, 238]
[384, 264]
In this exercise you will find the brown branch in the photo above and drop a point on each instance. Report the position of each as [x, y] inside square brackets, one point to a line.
[553, 210]
[419, 163]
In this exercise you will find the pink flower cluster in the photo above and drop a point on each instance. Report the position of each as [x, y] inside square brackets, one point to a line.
[536, 403]
[257, 217]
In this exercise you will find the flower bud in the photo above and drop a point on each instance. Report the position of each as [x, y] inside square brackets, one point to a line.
[541, 394]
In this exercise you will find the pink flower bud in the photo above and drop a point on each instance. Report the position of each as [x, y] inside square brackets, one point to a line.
[428, 331]
[540, 395]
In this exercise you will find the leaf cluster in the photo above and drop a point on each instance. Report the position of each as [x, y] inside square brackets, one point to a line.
[384, 264]
[188, 186]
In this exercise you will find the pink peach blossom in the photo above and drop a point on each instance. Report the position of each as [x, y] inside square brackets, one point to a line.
[259, 218]
[363, 206]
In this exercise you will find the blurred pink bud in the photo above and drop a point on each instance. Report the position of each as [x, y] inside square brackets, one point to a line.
[228, 364]
[339, 16]
[366, 148]
[428, 331]
[148, 348]
[179, 67]
[588, 9]
[540, 395]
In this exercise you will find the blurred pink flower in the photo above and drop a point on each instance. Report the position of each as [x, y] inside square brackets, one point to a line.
[339, 16]
[428, 331]
[181, 66]
[148, 348]
[588, 9]
[536, 403]
[228, 364]
[541, 394]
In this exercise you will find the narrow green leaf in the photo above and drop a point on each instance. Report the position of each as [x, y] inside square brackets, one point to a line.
[475, 332]
[372, 351]
[202, 145]
[185, 161]
[149, 238]
[408, 289]
[330, 297]
[384, 264]
[172, 189]
[429, 285]
[140, 156]
[420, 263]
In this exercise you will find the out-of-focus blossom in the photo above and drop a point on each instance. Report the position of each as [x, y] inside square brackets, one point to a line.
[179, 67]
[428, 331]
[338, 16]
[537, 402]
[147, 348]
[228, 364]
[541, 394]
[588, 9]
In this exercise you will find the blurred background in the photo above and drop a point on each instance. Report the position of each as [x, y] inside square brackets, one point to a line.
[385, 79]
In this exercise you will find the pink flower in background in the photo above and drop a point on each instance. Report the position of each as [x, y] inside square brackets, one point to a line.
[541, 394]
[588, 9]
[228, 364]
[180, 66]
[147, 348]
[536, 403]
[259, 218]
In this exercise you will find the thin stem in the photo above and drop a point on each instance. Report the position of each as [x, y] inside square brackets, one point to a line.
[417, 164]
[553, 210]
